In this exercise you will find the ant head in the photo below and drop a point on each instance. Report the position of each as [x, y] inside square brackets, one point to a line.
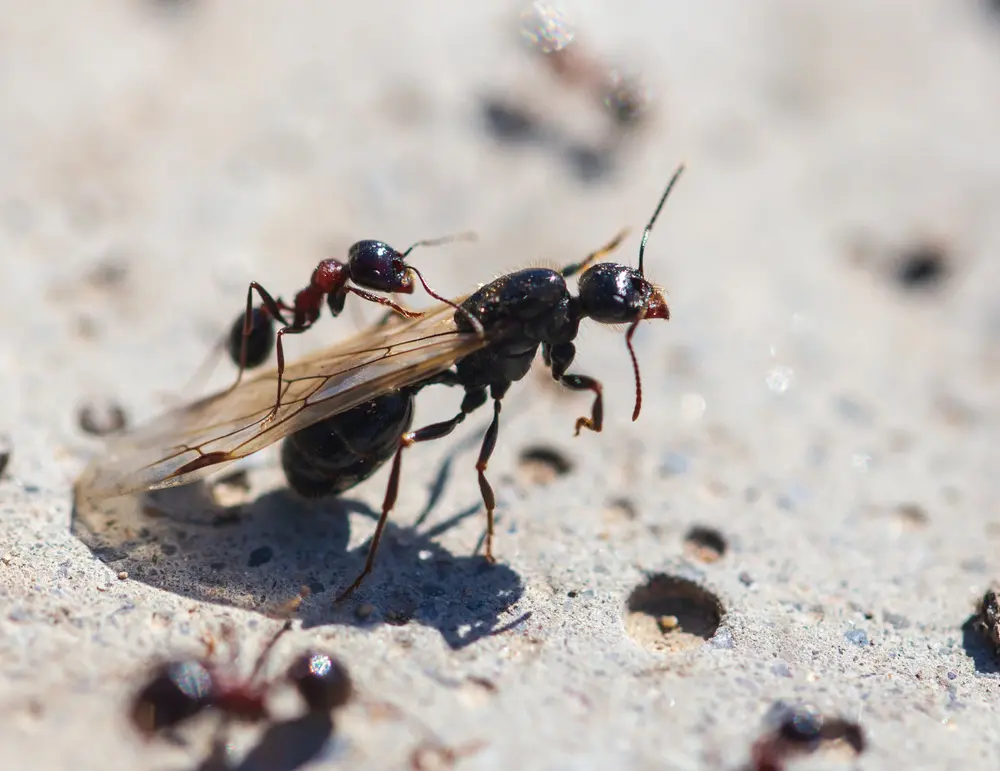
[377, 266]
[617, 294]
[322, 681]
[177, 692]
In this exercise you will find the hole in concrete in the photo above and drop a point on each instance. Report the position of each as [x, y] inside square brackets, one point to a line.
[704, 544]
[101, 417]
[620, 509]
[922, 266]
[541, 465]
[669, 614]
[911, 516]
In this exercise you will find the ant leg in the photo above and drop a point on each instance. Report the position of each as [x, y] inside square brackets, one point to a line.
[472, 400]
[489, 500]
[385, 301]
[272, 306]
[289, 330]
[575, 267]
[559, 357]
[258, 666]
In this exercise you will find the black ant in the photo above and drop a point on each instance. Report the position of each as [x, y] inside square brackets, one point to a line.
[182, 689]
[518, 312]
[799, 730]
[372, 266]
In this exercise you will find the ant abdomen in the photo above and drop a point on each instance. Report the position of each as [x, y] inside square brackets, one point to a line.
[335, 454]
[179, 691]
[260, 341]
[322, 681]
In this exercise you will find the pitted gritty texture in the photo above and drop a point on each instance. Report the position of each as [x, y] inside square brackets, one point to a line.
[818, 399]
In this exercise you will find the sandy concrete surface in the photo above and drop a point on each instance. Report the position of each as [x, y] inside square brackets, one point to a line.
[822, 404]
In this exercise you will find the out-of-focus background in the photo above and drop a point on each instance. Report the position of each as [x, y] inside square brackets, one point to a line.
[805, 510]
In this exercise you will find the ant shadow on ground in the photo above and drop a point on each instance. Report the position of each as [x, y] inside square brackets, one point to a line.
[257, 555]
[285, 746]
[978, 648]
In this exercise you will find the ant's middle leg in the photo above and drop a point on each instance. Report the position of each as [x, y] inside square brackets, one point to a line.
[473, 400]
[559, 357]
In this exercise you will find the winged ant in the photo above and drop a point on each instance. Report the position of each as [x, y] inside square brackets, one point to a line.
[347, 410]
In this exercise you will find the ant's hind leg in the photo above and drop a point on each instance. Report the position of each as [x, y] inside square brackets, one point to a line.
[489, 499]
[472, 400]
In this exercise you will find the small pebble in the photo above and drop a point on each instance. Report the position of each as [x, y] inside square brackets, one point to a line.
[857, 636]
[722, 639]
[364, 611]
[123, 575]
[781, 669]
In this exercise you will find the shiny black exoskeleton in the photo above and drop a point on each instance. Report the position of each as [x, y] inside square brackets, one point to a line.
[321, 680]
[372, 266]
[335, 454]
[176, 693]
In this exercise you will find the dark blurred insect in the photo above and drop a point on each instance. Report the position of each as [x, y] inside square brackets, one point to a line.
[988, 616]
[372, 266]
[799, 730]
[347, 409]
[549, 34]
[178, 691]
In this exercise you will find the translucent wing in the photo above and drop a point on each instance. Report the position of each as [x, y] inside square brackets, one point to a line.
[194, 440]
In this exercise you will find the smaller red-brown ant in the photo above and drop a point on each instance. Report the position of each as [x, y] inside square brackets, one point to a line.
[798, 729]
[180, 690]
[371, 266]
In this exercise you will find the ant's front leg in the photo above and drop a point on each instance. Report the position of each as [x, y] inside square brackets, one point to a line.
[385, 301]
[559, 357]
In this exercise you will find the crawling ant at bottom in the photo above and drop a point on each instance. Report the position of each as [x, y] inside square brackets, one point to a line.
[800, 730]
[180, 690]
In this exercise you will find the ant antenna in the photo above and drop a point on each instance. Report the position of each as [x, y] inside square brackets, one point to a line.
[635, 368]
[659, 207]
[468, 235]
[477, 325]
